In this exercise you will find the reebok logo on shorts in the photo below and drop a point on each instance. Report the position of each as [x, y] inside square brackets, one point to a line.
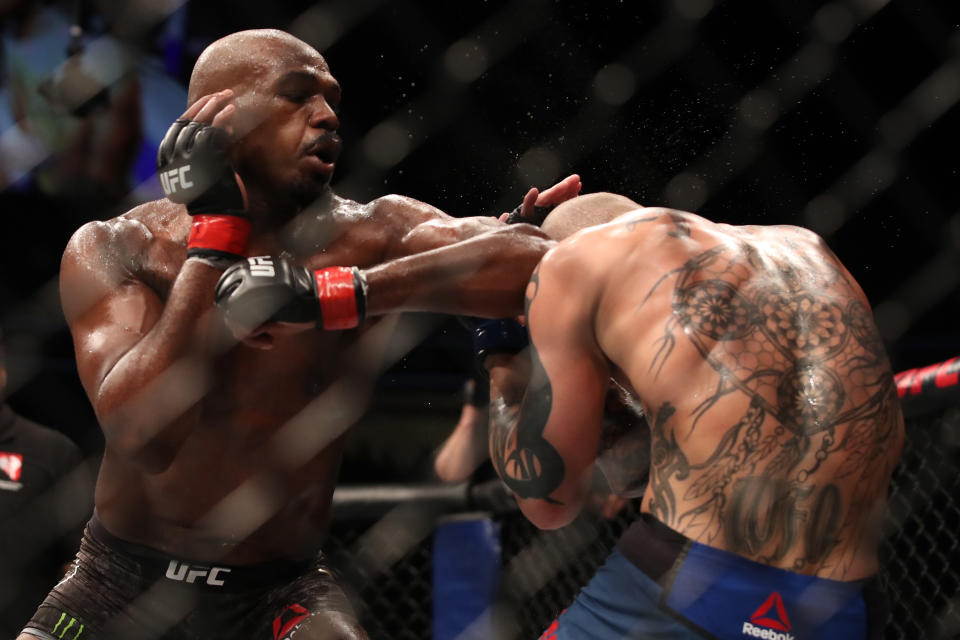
[768, 624]
[551, 632]
[11, 466]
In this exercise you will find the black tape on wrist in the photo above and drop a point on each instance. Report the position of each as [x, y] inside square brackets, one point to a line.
[539, 215]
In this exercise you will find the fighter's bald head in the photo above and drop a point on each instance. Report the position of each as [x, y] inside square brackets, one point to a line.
[586, 211]
[236, 60]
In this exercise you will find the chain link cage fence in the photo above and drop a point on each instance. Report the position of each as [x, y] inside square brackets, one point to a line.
[840, 116]
[542, 571]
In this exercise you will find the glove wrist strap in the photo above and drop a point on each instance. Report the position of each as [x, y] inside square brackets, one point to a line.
[342, 292]
[218, 236]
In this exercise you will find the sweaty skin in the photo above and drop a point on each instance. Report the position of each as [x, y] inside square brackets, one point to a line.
[774, 418]
[218, 451]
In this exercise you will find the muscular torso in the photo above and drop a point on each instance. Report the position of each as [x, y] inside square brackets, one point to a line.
[774, 420]
[264, 430]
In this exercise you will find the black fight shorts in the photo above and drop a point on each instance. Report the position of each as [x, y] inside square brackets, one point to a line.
[116, 589]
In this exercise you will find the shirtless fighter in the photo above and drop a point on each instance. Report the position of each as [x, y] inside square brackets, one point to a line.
[774, 420]
[221, 458]
[774, 423]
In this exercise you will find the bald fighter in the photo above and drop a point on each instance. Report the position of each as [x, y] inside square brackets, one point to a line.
[215, 488]
[774, 422]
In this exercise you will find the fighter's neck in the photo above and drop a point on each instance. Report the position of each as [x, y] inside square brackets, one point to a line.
[297, 233]
[270, 215]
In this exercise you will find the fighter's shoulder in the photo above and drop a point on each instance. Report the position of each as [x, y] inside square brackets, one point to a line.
[788, 233]
[403, 210]
[128, 234]
[577, 258]
[389, 214]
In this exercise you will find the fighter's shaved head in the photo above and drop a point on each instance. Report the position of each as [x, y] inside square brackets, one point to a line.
[235, 60]
[586, 211]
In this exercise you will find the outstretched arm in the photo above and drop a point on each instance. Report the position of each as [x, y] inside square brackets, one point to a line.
[545, 450]
[474, 266]
[478, 274]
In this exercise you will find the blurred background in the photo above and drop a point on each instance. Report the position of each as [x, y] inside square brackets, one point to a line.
[837, 116]
[841, 116]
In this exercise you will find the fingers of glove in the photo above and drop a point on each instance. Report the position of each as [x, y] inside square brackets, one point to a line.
[177, 143]
[229, 281]
[169, 143]
[215, 141]
[262, 289]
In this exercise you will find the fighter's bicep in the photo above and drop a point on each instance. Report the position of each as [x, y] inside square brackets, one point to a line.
[441, 232]
[413, 226]
[108, 311]
[110, 328]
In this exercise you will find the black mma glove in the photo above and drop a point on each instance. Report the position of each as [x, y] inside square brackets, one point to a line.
[539, 215]
[194, 169]
[268, 289]
[503, 335]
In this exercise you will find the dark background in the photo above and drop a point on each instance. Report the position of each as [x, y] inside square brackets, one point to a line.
[837, 116]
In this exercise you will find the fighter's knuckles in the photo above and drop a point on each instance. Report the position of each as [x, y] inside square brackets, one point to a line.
[194, 169]
[265, 289]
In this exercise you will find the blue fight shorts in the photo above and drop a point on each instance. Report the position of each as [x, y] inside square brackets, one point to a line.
[659, 585]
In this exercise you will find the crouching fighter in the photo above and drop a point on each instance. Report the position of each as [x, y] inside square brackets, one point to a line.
[774, 423]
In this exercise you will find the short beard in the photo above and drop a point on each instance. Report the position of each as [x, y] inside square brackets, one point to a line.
[303, 193]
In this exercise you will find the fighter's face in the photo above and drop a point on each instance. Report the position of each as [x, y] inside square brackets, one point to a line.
[287, 124]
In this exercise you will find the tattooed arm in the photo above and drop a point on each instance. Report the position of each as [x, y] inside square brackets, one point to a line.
[544, 450]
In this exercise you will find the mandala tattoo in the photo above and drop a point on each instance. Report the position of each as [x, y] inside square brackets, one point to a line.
[790, 334]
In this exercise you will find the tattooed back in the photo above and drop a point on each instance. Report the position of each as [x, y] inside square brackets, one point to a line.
[775, 424]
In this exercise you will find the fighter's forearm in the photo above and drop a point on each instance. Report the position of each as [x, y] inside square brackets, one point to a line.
[166, 372]
[483, 276]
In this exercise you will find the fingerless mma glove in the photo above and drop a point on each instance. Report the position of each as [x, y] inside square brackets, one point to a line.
[194, 170]
[266, 289]
[539, 215]
[503, 335]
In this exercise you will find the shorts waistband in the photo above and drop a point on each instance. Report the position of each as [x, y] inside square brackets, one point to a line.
[652, 546]
[153, 564]
[728, 596]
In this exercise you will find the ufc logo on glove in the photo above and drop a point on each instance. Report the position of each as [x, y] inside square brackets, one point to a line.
[261, 267]
[175, 180]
